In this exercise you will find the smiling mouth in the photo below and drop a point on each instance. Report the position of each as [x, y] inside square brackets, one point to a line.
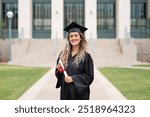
[74, 41]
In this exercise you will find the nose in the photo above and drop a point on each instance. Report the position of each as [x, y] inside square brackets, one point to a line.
[74, 37]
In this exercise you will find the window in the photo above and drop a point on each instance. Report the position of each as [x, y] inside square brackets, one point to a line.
[106, 23]
[138, 15]
[41, 19]
[74, 11]
[139, 21]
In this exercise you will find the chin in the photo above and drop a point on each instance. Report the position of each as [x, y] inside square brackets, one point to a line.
[74, 44]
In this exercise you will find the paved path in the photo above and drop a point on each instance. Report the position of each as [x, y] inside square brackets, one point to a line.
[44, 89]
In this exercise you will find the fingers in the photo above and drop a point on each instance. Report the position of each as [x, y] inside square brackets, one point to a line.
[68, 79]
[58, 66]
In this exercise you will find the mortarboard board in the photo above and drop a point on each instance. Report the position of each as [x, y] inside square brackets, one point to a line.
[74, 27]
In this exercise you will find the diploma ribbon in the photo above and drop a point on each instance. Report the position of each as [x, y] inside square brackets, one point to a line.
[64, 71]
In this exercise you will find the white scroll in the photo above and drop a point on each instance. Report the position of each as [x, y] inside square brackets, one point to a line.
[65, 73]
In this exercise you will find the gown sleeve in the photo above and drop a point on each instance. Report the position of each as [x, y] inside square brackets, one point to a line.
[58, 74]
[82, 81]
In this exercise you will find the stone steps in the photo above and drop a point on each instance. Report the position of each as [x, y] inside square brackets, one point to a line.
[44, 52]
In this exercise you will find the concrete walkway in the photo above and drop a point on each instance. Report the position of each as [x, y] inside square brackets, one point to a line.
[44, 89]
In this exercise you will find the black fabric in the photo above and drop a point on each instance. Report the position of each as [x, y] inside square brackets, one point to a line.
[82, 76]
[74, 27]
[74, 30]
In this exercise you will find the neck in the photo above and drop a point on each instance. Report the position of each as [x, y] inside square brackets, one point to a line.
[75, 48]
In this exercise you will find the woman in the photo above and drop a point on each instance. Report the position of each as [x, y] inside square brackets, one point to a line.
[77, 63]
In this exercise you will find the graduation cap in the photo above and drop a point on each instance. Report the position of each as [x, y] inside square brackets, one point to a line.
[74, 27]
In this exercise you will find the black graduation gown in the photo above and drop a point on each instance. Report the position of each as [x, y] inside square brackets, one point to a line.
[82, 76]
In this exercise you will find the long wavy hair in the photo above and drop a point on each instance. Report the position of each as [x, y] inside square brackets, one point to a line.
[68, 48]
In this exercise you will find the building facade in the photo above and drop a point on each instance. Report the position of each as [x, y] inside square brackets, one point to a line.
[105, 19]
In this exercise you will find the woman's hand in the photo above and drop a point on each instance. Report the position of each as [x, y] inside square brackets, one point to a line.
[68, 79]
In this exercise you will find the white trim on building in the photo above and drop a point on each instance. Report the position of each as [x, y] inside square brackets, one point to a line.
[57, 19]
[90, 18]
[123, 19]
[25, 19]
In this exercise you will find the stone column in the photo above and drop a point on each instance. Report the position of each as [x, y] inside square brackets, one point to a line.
[90, 19]
[123, 19]
[25, 19]
[57, 19]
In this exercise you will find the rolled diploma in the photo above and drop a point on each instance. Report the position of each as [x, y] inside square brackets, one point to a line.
[65, 73]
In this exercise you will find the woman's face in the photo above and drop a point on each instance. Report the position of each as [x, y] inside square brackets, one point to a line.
[74, 38]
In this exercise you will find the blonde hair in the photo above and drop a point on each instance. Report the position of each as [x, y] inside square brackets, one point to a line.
[68, 48]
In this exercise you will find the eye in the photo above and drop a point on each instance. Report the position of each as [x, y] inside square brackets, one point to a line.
[71, 36]
[76, 35]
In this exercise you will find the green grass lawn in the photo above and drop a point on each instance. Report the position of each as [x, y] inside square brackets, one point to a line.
[142, 65]
[133, 83]
[15, 80]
